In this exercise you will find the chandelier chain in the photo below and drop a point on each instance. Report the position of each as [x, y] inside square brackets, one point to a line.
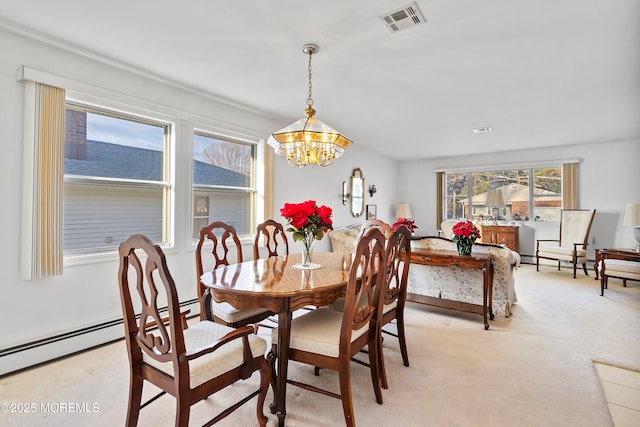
[309, 100]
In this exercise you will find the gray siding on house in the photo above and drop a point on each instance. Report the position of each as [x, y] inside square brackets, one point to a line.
[120, 161]
[101, 216]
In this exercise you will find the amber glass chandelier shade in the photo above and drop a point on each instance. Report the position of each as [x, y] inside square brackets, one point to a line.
[309, 141]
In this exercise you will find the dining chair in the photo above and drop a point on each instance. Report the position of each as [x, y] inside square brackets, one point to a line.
[222, 237]
[189, 364]
[326, 338]
[365, 227]
[394, 294]
[571, 246]
[275, 239]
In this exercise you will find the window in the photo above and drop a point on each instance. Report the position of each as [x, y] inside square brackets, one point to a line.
[107, 165]
[116, 178]
[224, 182]
[525, 199]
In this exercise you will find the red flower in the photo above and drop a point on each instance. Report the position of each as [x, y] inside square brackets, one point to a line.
[307, 218]
[324, 212]
[465, 230]
[409, 223]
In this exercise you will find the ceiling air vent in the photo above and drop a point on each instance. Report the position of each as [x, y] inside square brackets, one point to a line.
[401, 19]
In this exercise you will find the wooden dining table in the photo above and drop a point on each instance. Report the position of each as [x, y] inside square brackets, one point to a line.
[276, 284]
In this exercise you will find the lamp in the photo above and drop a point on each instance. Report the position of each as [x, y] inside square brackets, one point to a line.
[495, 200]
[632, 217]
[403, 211]
[308, 141]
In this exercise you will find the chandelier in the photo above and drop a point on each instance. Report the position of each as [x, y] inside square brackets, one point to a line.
[308, 141]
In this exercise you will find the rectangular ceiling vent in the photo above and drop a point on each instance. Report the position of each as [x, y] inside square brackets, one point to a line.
[401, 19]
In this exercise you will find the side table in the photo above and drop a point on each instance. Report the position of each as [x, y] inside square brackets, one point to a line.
[612, 253]
[443, 258]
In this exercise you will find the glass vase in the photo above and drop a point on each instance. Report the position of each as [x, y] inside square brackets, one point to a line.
[464, 246]
[307, 246]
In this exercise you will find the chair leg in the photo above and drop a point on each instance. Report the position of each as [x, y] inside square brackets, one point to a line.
[375, 363]
[265, 380]
[558, 265]
[537, 264]
[345, 392]
[624, 283]
[383, 369]
[584, 267]
[135, 398]
[182, 412]
[402, 339]
[271, 359]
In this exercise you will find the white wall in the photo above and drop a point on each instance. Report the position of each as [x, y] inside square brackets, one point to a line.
[608, 179]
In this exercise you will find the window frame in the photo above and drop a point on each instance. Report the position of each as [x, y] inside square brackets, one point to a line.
[442, 185]
[258, 179]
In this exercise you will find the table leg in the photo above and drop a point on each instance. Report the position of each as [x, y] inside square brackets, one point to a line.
[485, 291]
[284, 335]
[490, 294]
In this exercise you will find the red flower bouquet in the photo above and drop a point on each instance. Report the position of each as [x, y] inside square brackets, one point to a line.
[464, 235]
[308, 222]
[307, 218]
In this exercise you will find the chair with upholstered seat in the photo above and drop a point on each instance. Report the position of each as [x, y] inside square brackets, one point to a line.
[326, 338]
[275, 239]
[222, 237]
[394, 294]
[575, 225]
[190, 364]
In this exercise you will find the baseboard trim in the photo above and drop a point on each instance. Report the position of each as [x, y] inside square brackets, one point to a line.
[43, 350]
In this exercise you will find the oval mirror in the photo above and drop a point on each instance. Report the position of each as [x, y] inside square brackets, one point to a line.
[357, 192]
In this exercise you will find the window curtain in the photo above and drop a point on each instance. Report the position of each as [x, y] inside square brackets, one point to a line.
[569, 186]
[268, 181]
[440, 198]
[42, 252]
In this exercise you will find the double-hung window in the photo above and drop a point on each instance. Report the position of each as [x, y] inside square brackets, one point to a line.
[117, 182]
[224, 181]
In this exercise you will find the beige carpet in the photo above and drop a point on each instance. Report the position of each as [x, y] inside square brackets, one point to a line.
[534, 369]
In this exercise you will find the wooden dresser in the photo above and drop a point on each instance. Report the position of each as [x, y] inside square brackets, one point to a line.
[509, 235]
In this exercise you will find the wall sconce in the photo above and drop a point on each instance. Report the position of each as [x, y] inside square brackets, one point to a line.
[372, 190]
[346, 196]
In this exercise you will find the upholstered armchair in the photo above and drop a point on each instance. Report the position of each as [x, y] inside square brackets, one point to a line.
[575, 225]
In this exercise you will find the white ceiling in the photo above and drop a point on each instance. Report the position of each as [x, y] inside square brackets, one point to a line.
[541, 73]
